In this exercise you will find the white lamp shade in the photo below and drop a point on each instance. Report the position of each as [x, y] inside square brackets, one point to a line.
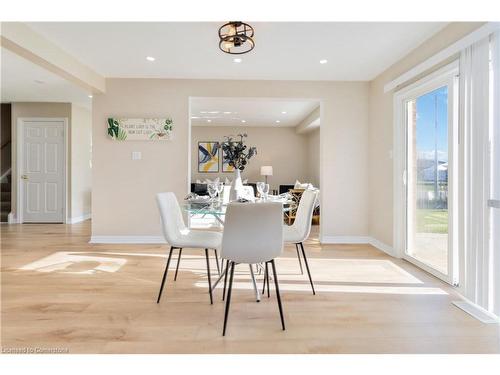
[266, 170]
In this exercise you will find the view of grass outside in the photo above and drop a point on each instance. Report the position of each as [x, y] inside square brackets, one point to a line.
[432, 221]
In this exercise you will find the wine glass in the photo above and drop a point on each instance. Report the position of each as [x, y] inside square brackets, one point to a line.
[265, 190]
[220, 188]
[212, 190]
[260, 188]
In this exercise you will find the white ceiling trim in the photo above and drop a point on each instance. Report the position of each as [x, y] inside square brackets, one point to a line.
[22, 40]
[310, 122]
[441, 56]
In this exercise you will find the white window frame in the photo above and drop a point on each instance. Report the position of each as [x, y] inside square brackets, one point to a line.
[445, 76]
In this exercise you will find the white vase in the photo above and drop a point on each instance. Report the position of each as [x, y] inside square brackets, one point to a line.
[236, 186]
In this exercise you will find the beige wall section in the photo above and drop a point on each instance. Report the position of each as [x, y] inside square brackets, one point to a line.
[380, 191]
[282, 148]
[313, 161]
[20, 110]
[123, 194]
[81, 156]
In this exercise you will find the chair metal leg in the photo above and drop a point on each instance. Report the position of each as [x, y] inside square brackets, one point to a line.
[225, 279]
[278, 294]
[165, 274]
[298, 257]
[209, 278]
[228, 301]
[254, 282]
[307, 268]
[217, 262]
[178, 261]
[265, 279]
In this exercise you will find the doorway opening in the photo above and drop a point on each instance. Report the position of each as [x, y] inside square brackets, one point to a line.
[286, 133]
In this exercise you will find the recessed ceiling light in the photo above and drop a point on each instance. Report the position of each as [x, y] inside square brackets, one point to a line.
[243, 120]
[150, 58]
[283, 112]
[278, 121]
[237, 60]
[324, 61]
[209, 120]
[90, 96]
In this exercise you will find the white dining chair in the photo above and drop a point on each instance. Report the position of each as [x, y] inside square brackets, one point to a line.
[178, 236]
[299, 231]
[253, 233]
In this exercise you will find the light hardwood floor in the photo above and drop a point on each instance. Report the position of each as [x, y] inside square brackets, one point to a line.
[58, 291]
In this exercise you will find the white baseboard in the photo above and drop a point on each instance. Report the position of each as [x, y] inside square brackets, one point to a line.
[389, 250]
[477, 312]
[359, 240]
[79, 219]
[11, 219]
[128, 239]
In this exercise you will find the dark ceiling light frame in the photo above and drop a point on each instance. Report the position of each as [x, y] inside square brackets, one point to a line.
[238, 34]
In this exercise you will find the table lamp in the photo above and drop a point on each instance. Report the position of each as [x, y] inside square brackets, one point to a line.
[266, 170]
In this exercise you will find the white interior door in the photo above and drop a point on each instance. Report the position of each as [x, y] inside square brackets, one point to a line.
[43, 171]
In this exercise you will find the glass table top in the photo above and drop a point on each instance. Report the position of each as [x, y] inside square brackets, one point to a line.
[218, 208]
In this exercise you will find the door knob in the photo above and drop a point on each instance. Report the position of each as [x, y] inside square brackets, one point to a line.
[24, 177]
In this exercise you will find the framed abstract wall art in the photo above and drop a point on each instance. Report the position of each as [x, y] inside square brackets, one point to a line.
[208, 157]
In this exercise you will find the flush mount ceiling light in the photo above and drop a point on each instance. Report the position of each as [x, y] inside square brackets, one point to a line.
[237, 60]
[324, 61]
[90, 96]
[236, 38]
[150, 58]
[283, 112]
[278, 121]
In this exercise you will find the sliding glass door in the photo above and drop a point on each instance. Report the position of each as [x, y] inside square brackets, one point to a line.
[429, 175]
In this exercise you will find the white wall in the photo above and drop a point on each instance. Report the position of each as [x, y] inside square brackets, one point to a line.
[282, 148]
[81, 156]
[123, 196]
[313, 157]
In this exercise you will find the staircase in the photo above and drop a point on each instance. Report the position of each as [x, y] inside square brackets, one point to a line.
[5, 191]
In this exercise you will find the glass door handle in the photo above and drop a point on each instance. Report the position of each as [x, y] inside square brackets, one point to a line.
[494, 203]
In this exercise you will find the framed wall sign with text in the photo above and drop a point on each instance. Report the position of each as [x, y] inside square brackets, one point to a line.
[140, 129]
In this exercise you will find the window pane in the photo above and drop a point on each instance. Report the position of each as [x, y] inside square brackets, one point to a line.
[427, 213]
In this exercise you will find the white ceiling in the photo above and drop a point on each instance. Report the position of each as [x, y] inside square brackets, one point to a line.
[254, 111]
[23, 81]
[284, 50]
